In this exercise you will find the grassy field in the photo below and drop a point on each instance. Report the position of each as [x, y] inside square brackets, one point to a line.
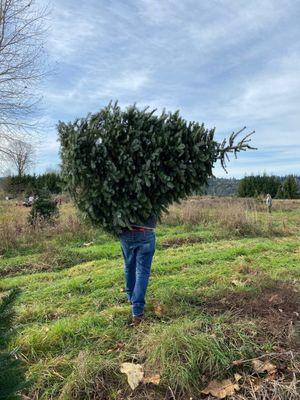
[224, 290]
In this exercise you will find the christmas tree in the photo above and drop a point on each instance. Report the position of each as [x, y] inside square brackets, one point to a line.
[122, 166]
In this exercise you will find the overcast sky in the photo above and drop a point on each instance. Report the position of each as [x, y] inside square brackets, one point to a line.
[226, 63]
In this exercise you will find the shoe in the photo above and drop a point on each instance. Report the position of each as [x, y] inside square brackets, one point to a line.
[136, 320]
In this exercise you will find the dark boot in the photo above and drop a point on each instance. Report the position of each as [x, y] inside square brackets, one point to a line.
[136, 320]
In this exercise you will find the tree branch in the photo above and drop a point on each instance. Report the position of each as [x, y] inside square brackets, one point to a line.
[229, 147]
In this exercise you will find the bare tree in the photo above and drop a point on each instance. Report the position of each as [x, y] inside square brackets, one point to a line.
[21, 67]
[20, 156]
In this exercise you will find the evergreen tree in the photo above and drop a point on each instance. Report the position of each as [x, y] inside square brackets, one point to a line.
[28, 184]
[290, 188]
[280, 193]
[120, 167]
[44, 209]
[253, 186]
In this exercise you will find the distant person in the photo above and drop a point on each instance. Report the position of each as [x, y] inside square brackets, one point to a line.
[30, 200]
[58, 201]
[269, 202]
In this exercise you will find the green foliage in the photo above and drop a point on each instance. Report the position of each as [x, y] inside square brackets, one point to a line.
[29, 184]
[11, 369]
[121, 167]
[15, 185]
[44, 209]
[50, 180]
[281, 188]
[253, 186]
[289, 189]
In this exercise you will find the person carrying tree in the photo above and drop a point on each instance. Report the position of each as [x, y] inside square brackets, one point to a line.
[269, 202]
[123, 168]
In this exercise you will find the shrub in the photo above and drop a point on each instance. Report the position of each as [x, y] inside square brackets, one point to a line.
[121, 167]
[44, 209]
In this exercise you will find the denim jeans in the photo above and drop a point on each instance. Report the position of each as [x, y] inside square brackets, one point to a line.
[138, 249]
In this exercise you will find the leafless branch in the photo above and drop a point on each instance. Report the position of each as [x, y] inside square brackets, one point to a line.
[230, 147]
[19, 155]
[22, 65]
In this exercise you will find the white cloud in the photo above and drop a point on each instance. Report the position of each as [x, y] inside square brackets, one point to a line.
[131, 81]
[226, 63]
[92, 91]
[233, 21]
[72, 30]
[157, 11]
[269, 94]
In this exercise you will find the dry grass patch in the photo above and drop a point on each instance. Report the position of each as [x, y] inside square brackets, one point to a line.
[181, 241]
[236, 216]
[15, 231]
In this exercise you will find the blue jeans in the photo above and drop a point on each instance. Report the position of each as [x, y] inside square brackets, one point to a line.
[138, 249]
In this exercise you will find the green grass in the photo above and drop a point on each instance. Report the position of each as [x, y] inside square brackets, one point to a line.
[71, 313]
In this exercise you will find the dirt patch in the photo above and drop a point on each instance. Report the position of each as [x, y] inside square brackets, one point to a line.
[283, 299]
[47, 262]
[277, 309]
[26, 268]
[181, 241]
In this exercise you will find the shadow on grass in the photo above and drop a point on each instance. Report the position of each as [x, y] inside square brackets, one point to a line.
[12, 370]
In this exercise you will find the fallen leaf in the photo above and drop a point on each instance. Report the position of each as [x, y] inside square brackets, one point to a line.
[134, 372]
[237, 377]
[263, 366]
[276, 299]
[237, 362]
[221, 389]
[88, 244]
[159, 310]
[271, 376]
[120, 345]
[185, 268]
[155, 379]
[236, 282]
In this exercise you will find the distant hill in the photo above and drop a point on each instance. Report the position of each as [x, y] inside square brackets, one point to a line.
[222, 187]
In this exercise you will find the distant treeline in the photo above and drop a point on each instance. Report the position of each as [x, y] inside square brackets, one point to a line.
[30, 184]
[256, 185]
[280, 188]
[250, 186]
